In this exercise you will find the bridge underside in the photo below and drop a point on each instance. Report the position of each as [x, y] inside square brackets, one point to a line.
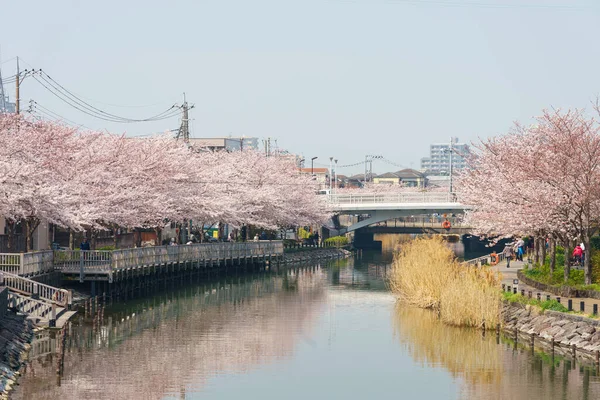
[376, 216]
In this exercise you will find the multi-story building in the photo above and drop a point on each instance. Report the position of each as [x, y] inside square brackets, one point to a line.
[438, 161]
[226, 143]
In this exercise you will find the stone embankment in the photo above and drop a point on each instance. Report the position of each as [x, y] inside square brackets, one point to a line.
[310, 255]
[573, 334]
[16, 333]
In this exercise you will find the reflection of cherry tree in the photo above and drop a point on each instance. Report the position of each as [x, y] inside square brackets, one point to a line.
[93, 180]
[198, 342]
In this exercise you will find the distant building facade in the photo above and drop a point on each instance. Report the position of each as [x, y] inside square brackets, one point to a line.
[438, 161]
[407, 177]
[226, 143]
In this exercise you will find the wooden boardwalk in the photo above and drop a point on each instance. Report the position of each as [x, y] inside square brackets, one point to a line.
[119, 271]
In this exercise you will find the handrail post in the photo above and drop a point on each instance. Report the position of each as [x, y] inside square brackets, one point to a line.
[21, 264]
[52, 322]
[81, 270]
[35, 293]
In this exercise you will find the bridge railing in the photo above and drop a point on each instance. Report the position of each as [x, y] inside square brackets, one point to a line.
[27, 263]
[394, 198]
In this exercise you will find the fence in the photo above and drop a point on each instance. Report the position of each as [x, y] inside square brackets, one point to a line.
[35, 289]
[487, 259]
[27, 263]
[100, 261]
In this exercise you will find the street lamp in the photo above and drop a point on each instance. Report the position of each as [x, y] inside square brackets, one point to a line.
[312, 163]
[335, 175]
[330, 174]
[450, 150]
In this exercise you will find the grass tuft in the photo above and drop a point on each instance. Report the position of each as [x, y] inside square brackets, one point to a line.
[426, 273]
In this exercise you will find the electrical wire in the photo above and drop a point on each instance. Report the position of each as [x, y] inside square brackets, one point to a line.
[53, 115]
[74, 102]
[94, 110]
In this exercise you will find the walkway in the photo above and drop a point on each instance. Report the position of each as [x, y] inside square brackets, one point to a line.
[510, 274]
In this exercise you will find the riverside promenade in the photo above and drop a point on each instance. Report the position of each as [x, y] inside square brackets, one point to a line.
[510, 274]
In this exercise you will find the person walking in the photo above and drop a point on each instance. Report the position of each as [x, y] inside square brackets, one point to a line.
[508, 253]
[256, 237]
[85, 245]
[578, 254]
[582, 252]
[520, 249]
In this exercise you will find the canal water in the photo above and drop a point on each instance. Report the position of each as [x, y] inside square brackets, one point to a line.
[322, 331]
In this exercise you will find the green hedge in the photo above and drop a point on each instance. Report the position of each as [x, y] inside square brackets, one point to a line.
[336, 241]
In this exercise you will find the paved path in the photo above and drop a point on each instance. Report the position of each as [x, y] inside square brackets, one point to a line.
[509, 274]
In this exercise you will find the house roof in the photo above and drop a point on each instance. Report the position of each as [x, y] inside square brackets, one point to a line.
[314, 170]
[409, 173]
[388, 175]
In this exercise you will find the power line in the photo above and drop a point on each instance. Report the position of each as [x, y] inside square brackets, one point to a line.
[34, 105]
[64, 95]
[68, 97]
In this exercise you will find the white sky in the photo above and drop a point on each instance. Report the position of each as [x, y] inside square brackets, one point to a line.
[340, 78]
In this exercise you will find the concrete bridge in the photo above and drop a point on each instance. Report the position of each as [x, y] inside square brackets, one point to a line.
[385, 206]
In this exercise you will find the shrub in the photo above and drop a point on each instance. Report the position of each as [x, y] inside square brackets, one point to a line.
[106, 248]
[337, 241]
[544, 305]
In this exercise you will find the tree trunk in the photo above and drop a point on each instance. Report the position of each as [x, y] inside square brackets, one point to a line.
[11, 228]
[536, 244]
[93, 237]
[71, 240]
[543, 244]
[587, 262]
[567, 262]
[115, 237]
[31, 224]
[552, 255]
[158, 232]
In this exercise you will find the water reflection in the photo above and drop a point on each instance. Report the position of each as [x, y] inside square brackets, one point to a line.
[183, 339]
[310, 332]
[488, 370]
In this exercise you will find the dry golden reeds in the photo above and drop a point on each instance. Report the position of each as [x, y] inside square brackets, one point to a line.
[427, 274]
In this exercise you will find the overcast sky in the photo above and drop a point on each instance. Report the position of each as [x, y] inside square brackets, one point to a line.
[340, 78]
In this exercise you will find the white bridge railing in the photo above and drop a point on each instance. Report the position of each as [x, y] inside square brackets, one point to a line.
[391, 198]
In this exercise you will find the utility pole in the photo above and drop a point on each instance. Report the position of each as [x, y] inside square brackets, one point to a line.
[184, 129]
[18, 88]
[369, 166]
[451, 151]
[335, 176]
[330, 174]
[2, 95]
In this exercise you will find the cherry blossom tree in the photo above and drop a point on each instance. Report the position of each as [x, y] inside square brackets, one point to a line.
[96, 181]
[540, 180]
